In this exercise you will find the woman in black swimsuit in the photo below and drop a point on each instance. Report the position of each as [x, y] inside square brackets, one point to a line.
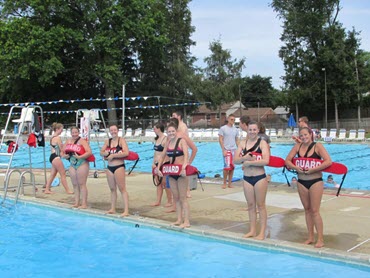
[178, 183]
[310, 183]
[159, 143]
[55, 159]
[254, 153]
[114, 150]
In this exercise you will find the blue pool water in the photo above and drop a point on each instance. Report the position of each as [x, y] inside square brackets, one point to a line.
[209, 160]
[48, 242]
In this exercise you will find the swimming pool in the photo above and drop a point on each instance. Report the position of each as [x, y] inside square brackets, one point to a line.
[40, 241]
[209, 161]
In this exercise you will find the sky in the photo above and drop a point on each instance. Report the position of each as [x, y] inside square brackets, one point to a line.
[250, 29]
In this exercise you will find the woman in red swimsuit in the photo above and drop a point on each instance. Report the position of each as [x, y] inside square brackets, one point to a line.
[310, 183]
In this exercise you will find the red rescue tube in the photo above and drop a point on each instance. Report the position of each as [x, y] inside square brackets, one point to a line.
[79, 150]
[308, 163]
[275, 161]
[175, 169]
[131, 156]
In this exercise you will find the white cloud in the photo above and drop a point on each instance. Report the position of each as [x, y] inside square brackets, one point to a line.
[252, 30]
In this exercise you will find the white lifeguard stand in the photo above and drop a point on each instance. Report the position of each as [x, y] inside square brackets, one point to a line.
[31, 120]
[89, 121]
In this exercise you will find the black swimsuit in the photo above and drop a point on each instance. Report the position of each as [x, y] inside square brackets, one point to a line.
[56, 153]
[113, 150]
[175, 153]
[309, 183]
[159, 148]
[252, 180]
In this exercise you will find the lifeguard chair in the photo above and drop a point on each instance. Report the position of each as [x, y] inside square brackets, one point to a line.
[29, 122]
[88, 122]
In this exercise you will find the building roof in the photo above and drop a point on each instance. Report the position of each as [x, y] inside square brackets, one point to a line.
[281, 110]
[203, 109]
[233, 108]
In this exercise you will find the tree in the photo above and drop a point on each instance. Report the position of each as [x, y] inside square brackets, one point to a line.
[220, 76]
[80, 44]
[315, 40]
[257, 89]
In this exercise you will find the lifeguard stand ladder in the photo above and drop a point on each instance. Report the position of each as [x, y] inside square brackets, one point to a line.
[89, 121]
[25, 125]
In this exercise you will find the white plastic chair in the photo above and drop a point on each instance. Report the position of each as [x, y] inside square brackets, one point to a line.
[197, 133]
[273, 134]
[360, 135]
[128, 132]
[149, 133]
[342, 134]
[138, 132]
[26, 115]
[324, 133]
[333, 133]
[208, 133]
[352, 135]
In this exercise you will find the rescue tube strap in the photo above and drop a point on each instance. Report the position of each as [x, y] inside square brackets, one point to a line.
[274, 161]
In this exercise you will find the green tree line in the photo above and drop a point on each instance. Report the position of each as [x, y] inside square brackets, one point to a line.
[60, 49]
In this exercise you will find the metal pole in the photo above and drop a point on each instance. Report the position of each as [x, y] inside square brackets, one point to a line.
[159, 108]
[123, 109]
[326, 100]
[240, 103]
[358, 95]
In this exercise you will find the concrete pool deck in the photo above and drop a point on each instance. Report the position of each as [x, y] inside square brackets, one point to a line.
[221, 213]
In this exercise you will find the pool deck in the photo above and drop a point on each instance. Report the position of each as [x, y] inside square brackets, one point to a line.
[221, 213]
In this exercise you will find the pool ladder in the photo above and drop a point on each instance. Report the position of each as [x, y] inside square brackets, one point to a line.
[21, 184]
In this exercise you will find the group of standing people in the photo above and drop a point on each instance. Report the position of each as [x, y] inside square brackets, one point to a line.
[252, 153]
[77, 151]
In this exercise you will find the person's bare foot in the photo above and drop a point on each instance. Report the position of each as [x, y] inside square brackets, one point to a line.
[260, 237]
[48, 192]
[185, 225]
[231, 186]
[75, 205]
[188, 195]
[168, 205]
[111, 211]
[70, 192]
[170, 210]
[155, 204]
[125, 214]
[308, 241]
[250, 234]
[319, 244]
[224, 186]
[177, 223]
[82, 207]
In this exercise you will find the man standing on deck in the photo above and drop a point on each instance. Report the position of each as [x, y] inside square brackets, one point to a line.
[303, 122]
[182, 126]
[229, 141]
